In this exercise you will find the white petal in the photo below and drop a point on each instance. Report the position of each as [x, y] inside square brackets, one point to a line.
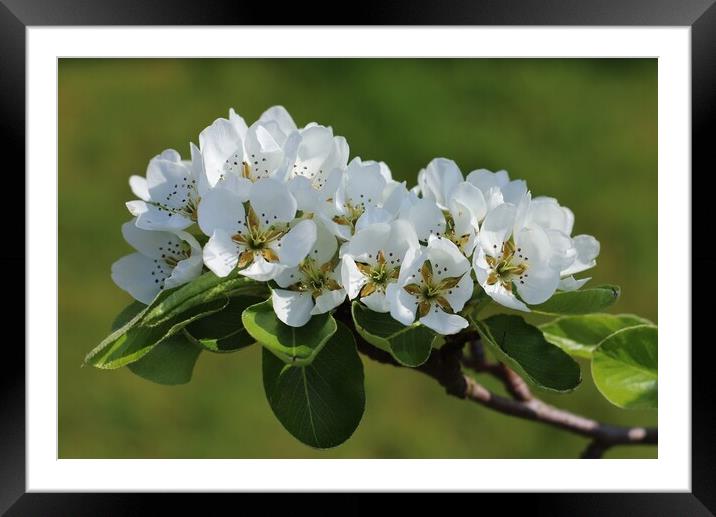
[238, 123]
[468, 196]
[497, 228]
[154, 244]
[331, 183]
[338, 158]
[373, 215]
[504, 297]
[296, 244]
[261, 270]
[493, 198]
[351, 277]
[539, 284]
[218, 143]
[377, 302]
[221, 254]
[364, 183]
[132, 273]
[281, 117]
[170, 155]
[139, 187]
[221, 209]
[170, 183]
[239, 185]
[402, 304]
[366, 243]
[440, 178]
[328, 301]
[461, 293]
[523, 209]
[401, 238]
[185, 271]
[306, 196]
[547, 213]
[263, 154]
[316, 147]
[485, 179]
[572, 284]
[444, 323]
[563, 249]
[412, 261]
[291, 307]
[272, 202]
[514, 191]
[541, 278]
[587, 248]
[394, 195]
[427, 219]
[150, 217]
[446, 258]
[197, 170]
[288, 277]
[385, 172]
[534, 246]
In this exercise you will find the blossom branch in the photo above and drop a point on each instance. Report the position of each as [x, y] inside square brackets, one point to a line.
[446, 366]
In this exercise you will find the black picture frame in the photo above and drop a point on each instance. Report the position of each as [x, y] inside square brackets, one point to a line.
[16, 15]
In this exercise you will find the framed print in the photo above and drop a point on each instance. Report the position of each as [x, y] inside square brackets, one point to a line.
[451, 241]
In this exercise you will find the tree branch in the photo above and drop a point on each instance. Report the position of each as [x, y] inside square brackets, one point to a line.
[446, 366]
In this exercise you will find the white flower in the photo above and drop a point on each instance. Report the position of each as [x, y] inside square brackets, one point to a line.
[450, 207]
[515, 259]
[316, 171]
[170, 193]
[256, 233]
[372, 259]
[163, 260]
[435, 283]
[358, 199]
[572, 254]
[313, 287]
[240, 155]
[497, 188]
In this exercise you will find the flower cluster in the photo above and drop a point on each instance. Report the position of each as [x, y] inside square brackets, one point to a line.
[283, 205]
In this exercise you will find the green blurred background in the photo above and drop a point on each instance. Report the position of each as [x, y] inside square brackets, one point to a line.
[583, 131]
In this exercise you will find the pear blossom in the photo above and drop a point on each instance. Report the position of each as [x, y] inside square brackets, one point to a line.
[239, 154]
[257, 233]
[434, 284]
[163, 260]
[450, 207]
[358, 199]
[371, 261]
[497, 188]
[284, 205]
[514, 259]
[316, 172]
[313, 287]
[572, 254]
[169, 195]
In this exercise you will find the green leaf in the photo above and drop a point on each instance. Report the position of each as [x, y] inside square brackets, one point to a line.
[624, 367]
[168, 313]
[170, 362]
[224, 331]
[524, 348]
[322, 403]
[133, 340]
[581, 301]
[580, 335]
[296, 345]
[129, 312]
[204, 289]
[409, 345]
